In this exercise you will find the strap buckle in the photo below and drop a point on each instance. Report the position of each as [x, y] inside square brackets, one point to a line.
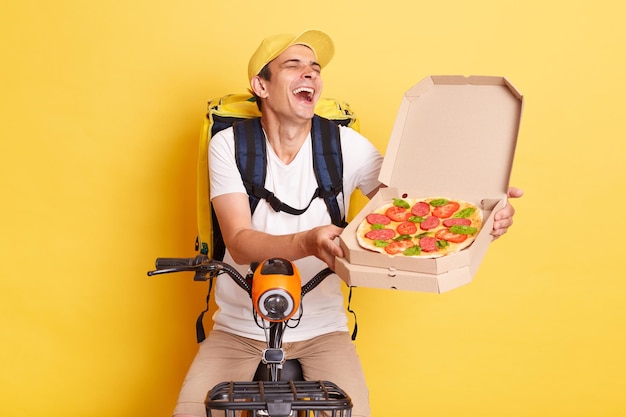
[274, 201]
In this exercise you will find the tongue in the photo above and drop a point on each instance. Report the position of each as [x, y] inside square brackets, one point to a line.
[303, 95]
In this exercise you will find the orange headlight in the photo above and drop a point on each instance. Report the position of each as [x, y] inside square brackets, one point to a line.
[276, 289]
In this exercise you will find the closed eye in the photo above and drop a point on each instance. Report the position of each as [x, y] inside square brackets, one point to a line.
[296, 63]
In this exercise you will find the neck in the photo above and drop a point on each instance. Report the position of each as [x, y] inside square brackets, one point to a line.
[285, 136]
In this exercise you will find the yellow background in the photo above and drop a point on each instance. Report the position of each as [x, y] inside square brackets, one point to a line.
[101, 106]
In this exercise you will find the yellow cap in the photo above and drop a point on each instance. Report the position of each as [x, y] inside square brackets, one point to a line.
[319, 42]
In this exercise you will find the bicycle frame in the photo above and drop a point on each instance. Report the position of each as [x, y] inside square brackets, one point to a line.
[272, 398]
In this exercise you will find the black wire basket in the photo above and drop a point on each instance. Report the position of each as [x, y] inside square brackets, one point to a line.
[279, 399]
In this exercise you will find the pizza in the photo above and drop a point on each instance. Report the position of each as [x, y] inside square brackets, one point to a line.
[420, 227]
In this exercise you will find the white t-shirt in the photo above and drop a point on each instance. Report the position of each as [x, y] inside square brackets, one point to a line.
[294, 184]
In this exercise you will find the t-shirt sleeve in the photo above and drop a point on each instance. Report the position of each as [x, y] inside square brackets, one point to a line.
[223, 172]
[361, 161]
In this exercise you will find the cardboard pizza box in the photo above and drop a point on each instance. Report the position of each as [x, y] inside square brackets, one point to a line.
[454, 137]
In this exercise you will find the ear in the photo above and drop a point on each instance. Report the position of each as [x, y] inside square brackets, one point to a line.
[258, 86]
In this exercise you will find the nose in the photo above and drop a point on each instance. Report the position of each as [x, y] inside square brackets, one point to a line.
[310, 72]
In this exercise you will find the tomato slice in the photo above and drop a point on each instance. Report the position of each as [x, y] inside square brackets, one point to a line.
[447, 210]
[398, 246]
[397, 214]
[406, 228]
[445, 234]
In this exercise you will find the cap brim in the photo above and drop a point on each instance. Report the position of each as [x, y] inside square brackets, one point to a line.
[319, 42]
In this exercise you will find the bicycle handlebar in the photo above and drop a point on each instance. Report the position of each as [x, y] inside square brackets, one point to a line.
[203, 267]
[206, 269]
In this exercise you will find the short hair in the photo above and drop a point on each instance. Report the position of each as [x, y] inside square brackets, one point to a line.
[265, 74]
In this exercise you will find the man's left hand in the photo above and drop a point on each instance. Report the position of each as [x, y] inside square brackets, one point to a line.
[503, 219]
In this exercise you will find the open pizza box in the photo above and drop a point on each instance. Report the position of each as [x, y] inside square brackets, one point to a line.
[453, 137]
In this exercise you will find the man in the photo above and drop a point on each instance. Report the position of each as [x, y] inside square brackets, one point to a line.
[284, 75]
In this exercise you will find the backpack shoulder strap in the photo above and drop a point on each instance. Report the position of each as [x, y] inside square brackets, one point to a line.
[328, 165]
[251, 157]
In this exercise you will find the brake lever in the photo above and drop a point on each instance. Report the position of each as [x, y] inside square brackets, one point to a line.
[202, 272]
[205, 274]
[170, 271]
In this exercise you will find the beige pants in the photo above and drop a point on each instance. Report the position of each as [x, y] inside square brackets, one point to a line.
[226, 357]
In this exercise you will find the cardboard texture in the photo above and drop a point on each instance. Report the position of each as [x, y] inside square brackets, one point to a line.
[453, 137]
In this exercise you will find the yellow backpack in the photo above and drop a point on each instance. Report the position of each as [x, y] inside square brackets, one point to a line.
[221, 114]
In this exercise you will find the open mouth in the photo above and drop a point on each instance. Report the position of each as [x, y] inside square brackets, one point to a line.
[305, 93]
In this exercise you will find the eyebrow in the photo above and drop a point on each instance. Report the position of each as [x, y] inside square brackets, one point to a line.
[297, 60]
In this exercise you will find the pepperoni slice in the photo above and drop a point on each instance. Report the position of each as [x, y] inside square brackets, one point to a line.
[430, 223]
[447, 210]
[375, 218]
[428, 244]
[445, 234]
[380, 234]
[397, 214]
[420, 209]
[406, 228]
[457, 222]
[398, 246]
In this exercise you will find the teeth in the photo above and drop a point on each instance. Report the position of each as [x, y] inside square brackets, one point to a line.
[303, 89]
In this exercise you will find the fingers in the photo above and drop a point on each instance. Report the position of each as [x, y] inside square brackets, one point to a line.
[500, 227]
[333, 252]
[330, 251]
[323, 246]
[515, 192]
[503, 219]
[506, 213]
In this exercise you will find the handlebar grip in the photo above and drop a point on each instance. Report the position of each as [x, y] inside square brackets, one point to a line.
[165, 263]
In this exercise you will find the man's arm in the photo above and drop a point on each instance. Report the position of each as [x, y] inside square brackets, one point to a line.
[246, 245]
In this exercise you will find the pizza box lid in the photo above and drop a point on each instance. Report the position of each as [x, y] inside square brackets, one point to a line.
[455, 137]
[454, 134]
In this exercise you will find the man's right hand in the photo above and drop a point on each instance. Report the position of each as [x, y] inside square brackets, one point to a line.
[320, 242]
